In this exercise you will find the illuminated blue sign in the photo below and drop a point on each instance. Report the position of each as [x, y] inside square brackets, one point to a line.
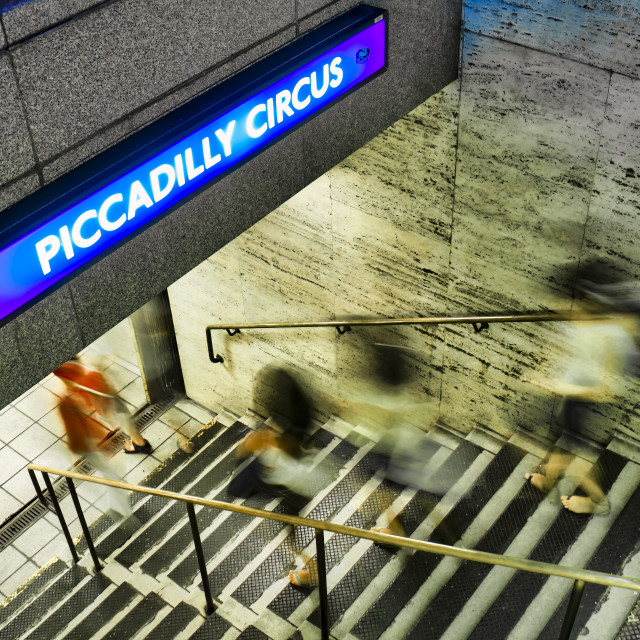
[244, 125]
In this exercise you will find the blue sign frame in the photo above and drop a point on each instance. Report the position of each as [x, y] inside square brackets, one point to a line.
[71, 223]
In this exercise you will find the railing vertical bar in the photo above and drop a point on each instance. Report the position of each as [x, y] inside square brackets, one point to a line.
[83, 524]
[572, 609]
[200, 555]
[36, 486]
[63, 524]
[322, 585]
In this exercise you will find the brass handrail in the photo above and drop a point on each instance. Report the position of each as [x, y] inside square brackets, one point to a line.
[479, 323]
[563, 571]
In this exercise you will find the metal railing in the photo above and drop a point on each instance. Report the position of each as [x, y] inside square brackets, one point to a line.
[479, 323]
[579, 576]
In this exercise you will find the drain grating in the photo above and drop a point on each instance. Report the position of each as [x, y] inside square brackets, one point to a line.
[34, 509]
[631, 628]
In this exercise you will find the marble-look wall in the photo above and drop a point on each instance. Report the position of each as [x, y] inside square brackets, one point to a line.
[479, 200]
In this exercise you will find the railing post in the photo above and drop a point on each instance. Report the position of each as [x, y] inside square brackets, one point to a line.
[199, 553]
[63, 524]
[36, 486]
[83, 524]
[322, 585]
[572, 609]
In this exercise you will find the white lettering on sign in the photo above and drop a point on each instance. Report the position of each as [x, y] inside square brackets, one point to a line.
[285, 103]
[188, 165]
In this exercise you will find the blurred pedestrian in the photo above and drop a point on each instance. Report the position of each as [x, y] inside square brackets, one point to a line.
[96, 394]
[599, 354]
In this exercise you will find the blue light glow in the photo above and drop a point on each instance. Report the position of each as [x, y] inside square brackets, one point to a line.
[48, 254]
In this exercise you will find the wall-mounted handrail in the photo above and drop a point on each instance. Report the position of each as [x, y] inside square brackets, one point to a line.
[580, 576]
[342, 326]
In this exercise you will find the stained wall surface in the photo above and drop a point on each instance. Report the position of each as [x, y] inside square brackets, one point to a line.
[78, 76]
[482, 199]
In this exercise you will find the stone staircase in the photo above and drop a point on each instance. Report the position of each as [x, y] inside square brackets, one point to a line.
[150, 585]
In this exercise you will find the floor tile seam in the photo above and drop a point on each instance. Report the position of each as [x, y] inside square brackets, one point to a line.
[162, 512]
[63, 603]
[344, 514]
[580, 552]
[322, 454]
[85, 579]
[86, 613]
[266, 622]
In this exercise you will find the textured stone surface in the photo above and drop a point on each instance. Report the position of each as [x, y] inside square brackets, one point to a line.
[305, 7]
[17, 190]
[142, 117]
[134, 50]
[602, 34]
[27, 18]
[16, 155]
[339, 248]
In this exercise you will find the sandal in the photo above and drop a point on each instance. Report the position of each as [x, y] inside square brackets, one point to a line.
[140, 448]
[301, 578]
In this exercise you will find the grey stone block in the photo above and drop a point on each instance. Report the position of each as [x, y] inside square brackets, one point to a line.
[27, 18]
[125, 279]
[90, 72]
[113, 134]
[47, 335]
[16, 154]
[15, 191]
[3, 41]
[10, 365]
[602, 34]
[305, 7]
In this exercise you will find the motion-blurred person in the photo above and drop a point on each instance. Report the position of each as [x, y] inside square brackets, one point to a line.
[389, 401]
[85, 432]
[598, 356]
[93, 388]
[281, 465]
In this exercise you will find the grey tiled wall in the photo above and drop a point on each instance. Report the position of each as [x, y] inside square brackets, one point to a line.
[78, 76]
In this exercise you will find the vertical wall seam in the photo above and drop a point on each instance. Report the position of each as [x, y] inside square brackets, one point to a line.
[593, 180]
[23, 106]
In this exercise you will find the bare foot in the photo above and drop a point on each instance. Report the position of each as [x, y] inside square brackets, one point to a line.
[537, 480]
[579, 504]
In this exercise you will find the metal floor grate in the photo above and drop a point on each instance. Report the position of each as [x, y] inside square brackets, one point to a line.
[34, 509]
[631, 628]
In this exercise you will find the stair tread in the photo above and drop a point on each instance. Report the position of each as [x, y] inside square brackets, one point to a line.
[173, 623]
[135, 619]
[522, 588]
[610, 557]
[392, 600]
[149, 535]
[72, 607]
[44, 602]
[213, 628]
[375, 558]
[102, 615]
[33, 588]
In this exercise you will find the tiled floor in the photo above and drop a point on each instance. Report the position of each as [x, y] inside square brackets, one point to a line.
[31, 431]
